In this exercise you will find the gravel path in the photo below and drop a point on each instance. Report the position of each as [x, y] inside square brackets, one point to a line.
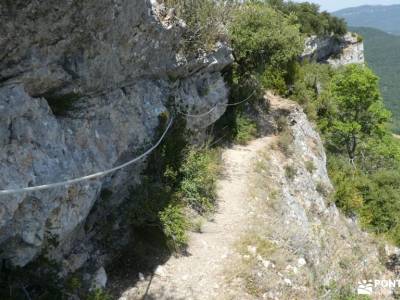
[200, 274]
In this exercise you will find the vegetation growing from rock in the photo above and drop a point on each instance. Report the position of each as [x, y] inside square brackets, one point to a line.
[179, 178]
[205, 20]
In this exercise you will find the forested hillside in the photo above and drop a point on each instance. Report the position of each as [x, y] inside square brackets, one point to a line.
[386, 18]
[382, 53]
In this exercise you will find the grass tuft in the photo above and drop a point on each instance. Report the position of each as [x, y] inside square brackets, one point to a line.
[246, 130]
[290, 172]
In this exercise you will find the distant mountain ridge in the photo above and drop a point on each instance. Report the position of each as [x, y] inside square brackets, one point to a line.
[383, 17]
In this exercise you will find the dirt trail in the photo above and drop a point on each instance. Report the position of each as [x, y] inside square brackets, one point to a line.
[200, 274]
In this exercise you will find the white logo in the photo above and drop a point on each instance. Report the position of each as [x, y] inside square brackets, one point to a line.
[365, 287]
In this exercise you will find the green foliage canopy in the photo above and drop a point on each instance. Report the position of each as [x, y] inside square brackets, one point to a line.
[262, 36]
[359, 109]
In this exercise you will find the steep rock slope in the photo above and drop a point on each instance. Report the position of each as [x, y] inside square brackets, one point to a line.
[82, 87]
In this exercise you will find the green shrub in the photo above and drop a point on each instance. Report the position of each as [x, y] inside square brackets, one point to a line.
[162, 201]
[177, 177]
[161, 178]
[262, 37]
[204, 20]
[290, 172]
[274, 79]
[380, 153]
[246, 130]
[310, 85]
[373, 196]
[99, 294]
[175, 225]
[347, 197]
[199, 173]
[381, 210]
[266, 46]
[73, 284]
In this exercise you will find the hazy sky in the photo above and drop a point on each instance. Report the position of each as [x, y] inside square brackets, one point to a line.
[332, 5]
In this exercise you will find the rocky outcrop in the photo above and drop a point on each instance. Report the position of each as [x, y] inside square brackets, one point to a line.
[82, 87]
[337, 51]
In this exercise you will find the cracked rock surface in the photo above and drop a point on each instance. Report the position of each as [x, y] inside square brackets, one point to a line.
[82, 87]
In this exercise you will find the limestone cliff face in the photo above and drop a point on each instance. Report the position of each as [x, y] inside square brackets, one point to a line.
[335, 51]
[82, 86]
